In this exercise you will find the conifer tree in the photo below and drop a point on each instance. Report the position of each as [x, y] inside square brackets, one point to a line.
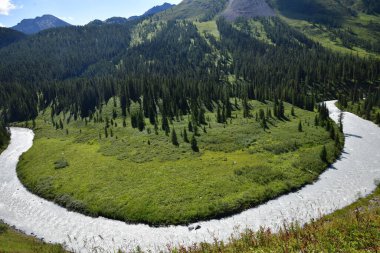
[185, 137]
[190, 126]
[194, 144]
[341, 115]
[323, 154]
[300, 127]
[174, 138]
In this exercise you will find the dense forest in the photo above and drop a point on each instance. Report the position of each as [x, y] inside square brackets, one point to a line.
[170, 68]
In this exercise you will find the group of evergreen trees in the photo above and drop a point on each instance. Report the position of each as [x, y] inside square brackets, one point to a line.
[176, 72]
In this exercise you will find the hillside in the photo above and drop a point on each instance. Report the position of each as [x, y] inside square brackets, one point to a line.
[165, 76]
[195, 10]
[32, 26]
[8, 36]
[247, 9]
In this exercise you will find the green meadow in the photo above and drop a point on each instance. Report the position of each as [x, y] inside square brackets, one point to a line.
[13, 241]
[140, 176]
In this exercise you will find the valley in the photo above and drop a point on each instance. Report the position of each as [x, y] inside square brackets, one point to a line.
[199, 126]
[147, 176]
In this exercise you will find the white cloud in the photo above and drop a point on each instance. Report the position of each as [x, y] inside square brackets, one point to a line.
[1, 25]
[6, 6]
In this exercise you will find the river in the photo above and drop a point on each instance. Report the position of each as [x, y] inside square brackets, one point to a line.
[355, 174]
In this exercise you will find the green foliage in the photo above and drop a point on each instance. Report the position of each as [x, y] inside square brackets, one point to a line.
[324, 154]
[12, 241]
[9, 36]
[199, 10]
[194, 144]
[174, 138]
[61, 164]
[300, 126]
[180, 185]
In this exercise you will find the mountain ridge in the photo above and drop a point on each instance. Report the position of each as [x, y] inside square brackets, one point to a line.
[35, 25]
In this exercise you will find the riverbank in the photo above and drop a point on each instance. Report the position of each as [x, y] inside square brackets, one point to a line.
[13, 240]
[349, 178]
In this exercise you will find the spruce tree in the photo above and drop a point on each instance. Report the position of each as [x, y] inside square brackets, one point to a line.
[185, 137]
[300, 127]
[194, 144]
[190, 126]
[341, 122]
[174, 138]
[323, 154]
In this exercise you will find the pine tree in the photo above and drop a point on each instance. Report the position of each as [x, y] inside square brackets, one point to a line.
[324, 154]
[106, 132]
[141, 121]
[185, 137]
[300, 127]
[341, 115]
[264, 123]
[194, 144]
[190, 126]
[174, 138]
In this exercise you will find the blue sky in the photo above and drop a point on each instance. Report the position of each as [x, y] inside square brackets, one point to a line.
[76, 12]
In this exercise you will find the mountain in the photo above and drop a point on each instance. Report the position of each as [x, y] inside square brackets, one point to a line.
[158, 8]
[201, 10]
[280, 53]
[121, 20]
[9, 36]
[116, 20]
[247, 9]
[32, 26]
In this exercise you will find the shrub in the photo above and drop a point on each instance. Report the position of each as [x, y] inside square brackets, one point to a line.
[61, 164]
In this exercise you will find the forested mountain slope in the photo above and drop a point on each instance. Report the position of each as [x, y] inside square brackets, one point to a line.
[78, 68]
[348, 26]
[8, 36]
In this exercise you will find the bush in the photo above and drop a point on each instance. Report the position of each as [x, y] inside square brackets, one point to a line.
[61, 164]
[3, 228]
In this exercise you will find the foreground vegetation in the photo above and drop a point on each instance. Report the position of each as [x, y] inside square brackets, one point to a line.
[176, 171]
[355, 228]
[13, 241]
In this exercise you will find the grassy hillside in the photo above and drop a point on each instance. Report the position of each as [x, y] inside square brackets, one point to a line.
[13, 241]
[196, 10]
[349, 26]
[135, 176]
[352, 229]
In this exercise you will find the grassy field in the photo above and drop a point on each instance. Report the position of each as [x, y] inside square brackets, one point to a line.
[138, 176]
[355, 228]
[360, 29]
[13, 241]
[209, 27]
[358, 109]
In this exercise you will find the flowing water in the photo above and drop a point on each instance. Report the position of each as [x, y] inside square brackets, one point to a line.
[353, 175]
